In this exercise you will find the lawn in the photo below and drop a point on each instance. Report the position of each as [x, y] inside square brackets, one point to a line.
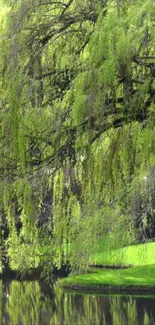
[140, 277]
[136, 255]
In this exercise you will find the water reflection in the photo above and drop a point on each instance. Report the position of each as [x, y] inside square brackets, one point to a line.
[34, 303]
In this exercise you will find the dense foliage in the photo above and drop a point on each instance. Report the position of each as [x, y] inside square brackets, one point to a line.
[77, 145]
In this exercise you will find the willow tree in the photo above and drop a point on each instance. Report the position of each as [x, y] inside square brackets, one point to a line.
[41, 45]
[112, 116]
[77, 97]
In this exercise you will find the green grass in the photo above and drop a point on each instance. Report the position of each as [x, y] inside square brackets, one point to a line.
[136, 255]
[140, 276]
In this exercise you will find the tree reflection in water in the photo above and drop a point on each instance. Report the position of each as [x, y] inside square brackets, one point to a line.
[35, 303]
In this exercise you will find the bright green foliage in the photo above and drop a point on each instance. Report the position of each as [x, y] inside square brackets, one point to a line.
[77, 149]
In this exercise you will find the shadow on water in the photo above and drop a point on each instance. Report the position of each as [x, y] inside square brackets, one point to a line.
[35, 303]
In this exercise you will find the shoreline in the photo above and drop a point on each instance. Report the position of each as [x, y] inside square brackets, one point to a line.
[110, 289]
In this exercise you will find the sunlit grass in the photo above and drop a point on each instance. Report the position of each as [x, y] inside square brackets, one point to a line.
[143, 254]
[141, 274]
[135, 276]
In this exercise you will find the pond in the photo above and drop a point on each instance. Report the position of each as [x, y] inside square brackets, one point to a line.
[36, 303]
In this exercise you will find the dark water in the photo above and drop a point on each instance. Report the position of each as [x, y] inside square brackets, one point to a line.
[35, 303]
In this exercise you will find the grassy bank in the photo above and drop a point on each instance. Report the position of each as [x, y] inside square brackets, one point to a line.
[136, 255]
[140, 278]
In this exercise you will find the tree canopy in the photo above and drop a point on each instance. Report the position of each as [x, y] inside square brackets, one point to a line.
[77, 148]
